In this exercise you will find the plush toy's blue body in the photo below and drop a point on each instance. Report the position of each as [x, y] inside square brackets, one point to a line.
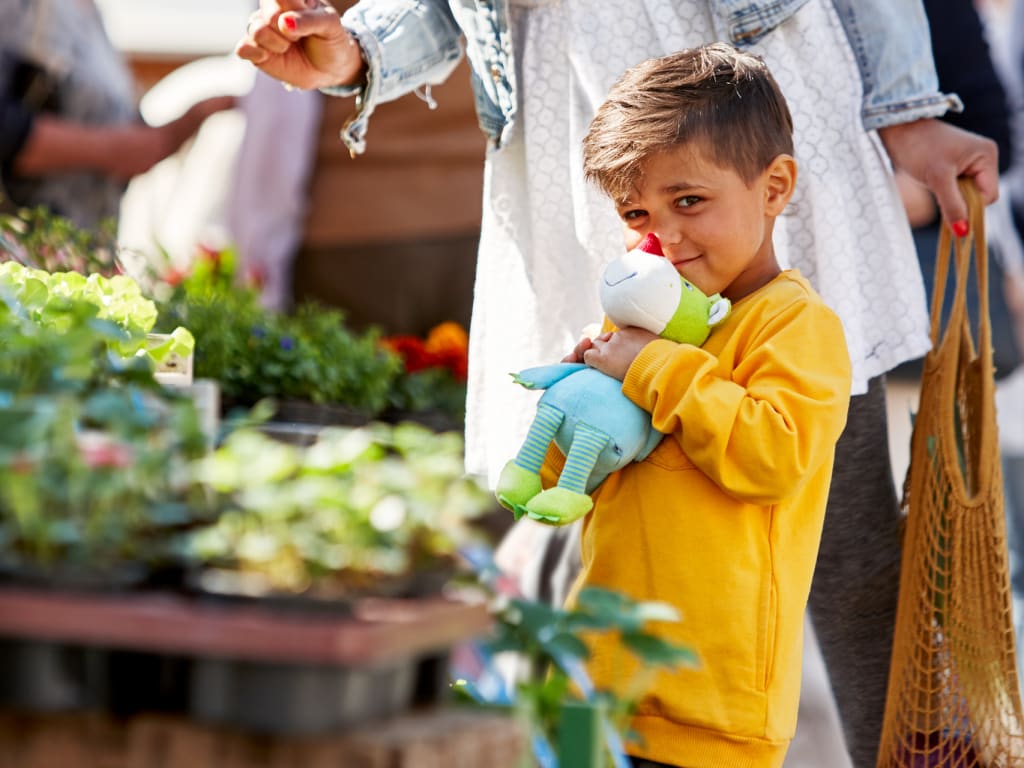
[583, 411]
[590, 398]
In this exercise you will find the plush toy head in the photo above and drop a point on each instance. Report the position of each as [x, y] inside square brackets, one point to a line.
[642, 288]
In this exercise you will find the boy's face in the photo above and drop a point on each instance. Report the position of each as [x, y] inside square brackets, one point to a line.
[714, 227]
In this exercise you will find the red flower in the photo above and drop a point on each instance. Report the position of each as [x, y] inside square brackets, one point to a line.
[99, 450]
[206, 253]
[412, 352]
[445, 347]
[173, 276]
[256, 276]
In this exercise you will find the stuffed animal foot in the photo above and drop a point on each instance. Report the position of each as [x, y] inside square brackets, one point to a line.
[559, 506]
[516, 486]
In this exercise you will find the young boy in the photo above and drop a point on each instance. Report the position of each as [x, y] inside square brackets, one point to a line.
[723, 519]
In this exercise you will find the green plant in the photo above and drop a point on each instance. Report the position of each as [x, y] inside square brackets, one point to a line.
[362, 508]
[38, 238]
[554, 697]
[434, 372]
[63, 329]
[91, 483]
[255, 353]
[92, 448]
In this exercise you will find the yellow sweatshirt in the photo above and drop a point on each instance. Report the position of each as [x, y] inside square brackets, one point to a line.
[722, 521]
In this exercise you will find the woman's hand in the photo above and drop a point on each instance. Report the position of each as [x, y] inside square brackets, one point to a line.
[935, 154]
[302, 43]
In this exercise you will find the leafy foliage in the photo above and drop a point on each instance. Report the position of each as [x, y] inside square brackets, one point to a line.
[551, 688]
[435, 371]
[37, 238]
[361, 508]
[92, 449]
[256, 353]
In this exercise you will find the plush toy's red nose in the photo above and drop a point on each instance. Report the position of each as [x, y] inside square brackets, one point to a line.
[651, 245]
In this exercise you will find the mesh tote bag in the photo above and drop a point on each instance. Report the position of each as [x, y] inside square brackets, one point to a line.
[953, 698]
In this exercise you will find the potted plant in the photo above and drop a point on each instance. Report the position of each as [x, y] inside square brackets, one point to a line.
[93, 453]
[567, 720]
[35, 237]
[379, 510]
[431, 388]
[308, 356]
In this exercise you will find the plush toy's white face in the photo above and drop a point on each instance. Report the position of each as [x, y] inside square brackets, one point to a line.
[641, 289]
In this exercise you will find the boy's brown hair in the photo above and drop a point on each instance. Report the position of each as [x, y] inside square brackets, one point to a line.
[716, 95]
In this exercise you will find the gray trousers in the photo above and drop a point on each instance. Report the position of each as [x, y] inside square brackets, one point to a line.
[856, 580]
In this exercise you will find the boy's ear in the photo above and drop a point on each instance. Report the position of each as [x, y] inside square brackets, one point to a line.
[780, 181]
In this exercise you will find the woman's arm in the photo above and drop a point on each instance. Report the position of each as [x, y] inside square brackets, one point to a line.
[54, 144]
[892, 46]
[891, 42]
[378, 51]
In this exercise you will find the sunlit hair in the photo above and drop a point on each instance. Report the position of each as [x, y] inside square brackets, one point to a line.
[717, 96]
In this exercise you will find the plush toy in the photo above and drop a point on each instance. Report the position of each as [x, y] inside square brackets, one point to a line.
[583, 410]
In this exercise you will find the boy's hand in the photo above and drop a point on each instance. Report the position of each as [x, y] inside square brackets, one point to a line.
[613, 353]
[585, 343]
[576, 356]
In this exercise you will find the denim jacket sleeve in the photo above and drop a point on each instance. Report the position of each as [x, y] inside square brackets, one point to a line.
[891, 43]
[407, 44]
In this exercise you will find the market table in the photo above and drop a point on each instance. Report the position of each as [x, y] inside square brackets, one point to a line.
[378, 634]
[377, 630]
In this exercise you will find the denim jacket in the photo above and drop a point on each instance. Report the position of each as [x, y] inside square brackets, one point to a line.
[412, 44]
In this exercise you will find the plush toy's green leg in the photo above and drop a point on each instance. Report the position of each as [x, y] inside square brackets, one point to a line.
[520, 479]
[587, 444]
[569, 500]
[542, 432]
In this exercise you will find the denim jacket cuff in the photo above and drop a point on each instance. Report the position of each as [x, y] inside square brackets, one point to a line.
[368, 93]
[909, 110]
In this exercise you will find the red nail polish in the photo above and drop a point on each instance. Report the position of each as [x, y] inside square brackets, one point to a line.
[289, 21]
[960, 228]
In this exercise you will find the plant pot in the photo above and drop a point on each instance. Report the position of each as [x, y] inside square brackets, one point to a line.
[42, 676]
[319, 414]
[297, 698]
[438, 421]
[126, 683]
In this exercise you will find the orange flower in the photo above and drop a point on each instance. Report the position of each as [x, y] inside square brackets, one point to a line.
[447, 336]
[449, 343]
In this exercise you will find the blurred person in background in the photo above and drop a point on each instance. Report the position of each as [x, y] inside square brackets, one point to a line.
[975, 56]
[70, 134]
[1005, 31]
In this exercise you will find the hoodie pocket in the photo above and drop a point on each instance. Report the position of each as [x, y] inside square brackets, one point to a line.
[767, 631]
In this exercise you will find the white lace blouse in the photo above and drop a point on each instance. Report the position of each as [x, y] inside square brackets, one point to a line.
[546, 233]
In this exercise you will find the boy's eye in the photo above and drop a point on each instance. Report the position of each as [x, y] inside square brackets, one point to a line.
[635, 213]
[687, 201]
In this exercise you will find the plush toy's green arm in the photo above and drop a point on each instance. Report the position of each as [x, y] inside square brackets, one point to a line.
[543, 376]
[720, 308]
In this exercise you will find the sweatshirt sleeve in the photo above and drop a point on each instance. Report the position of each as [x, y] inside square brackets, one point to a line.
[759, 427]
